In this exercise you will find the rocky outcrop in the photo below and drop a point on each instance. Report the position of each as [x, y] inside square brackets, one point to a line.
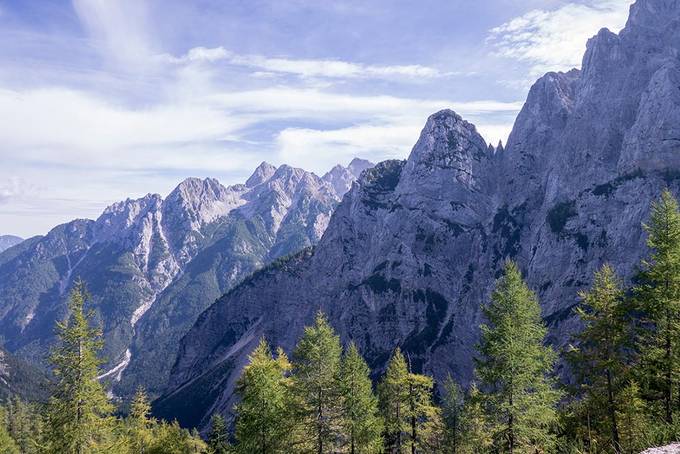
[412, 252]
[153, 264]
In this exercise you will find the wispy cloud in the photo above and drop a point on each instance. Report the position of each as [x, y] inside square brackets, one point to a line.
[555, 40]
[306, 68]
[119, 29]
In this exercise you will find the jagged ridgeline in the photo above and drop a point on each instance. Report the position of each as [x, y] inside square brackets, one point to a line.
[413, 250]
[152, 265]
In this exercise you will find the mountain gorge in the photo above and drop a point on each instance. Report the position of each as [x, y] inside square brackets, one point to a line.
[153, 264]
[412, 252]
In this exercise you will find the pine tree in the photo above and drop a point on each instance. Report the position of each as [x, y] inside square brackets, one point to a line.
[453, 402]
[602, 354]
[360, 420]
[78, 419]
[518, 395]
[263, 414]
[140, 425]
[316, 366]
[393, 393]
[659, 295]
[218, 438]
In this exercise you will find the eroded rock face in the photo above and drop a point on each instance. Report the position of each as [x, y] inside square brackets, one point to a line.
[153, 264]
[412, 252]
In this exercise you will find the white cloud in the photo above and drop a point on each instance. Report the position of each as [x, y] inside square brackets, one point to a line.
[306, 68]
[555, 40]
[15, 189]
[119, 29]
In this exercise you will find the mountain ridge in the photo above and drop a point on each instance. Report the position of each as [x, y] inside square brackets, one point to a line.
[413, 250]
[180, 252]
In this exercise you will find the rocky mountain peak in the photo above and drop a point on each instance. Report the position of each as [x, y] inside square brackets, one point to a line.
[262, 173]
[341, 178]
[449, 148]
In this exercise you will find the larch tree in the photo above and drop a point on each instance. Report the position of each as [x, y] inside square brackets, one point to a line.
[139, 423]
[316, 363]
[218, 438]
[514, 369]
[659, 297]
[393, 394]
[359, 417]
[452, 401]
[263, 414]
[79, 412]
[601, 354]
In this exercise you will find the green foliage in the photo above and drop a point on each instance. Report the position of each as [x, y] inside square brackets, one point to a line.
[518, 396]
[453, 402]
[316, 365]
[78, 417]
[7, 443]
[218, 438]
[360, 422]
[393, 393]
[412, 422]
[659, 299]
[264, 413]
[601, 358]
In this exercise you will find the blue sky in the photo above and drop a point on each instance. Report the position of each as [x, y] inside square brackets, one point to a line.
[101, 100]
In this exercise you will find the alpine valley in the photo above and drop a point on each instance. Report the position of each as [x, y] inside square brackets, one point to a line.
[152, 265]
[401, 254]
[412, 252]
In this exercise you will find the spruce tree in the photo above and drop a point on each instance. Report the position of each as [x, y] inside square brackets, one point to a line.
[316, 365]
[603, 347]
[359, 417]
[78, 418]
[263, 414]
[519, 397]
[659, 295]
[393, 393]
[218, 438]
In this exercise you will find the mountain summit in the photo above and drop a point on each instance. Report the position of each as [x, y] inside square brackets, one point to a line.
[153, 264]
[413, 250]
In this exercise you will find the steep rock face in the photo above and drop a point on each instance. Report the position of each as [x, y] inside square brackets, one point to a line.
[413, 251]
[153, 264]
[7, 241]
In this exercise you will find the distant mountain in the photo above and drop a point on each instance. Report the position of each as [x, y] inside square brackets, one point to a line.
[412, 252]
[153, 264]
[7, 241]
[21, 379]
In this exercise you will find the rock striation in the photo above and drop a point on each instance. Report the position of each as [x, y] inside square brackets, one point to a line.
[412, 252]
[153, 264]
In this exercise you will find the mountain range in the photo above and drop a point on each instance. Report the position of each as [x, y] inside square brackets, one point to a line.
[7, 241]
[153, 264]
[412, 252]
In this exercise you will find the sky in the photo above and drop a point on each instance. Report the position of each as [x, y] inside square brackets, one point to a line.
[101, 100]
